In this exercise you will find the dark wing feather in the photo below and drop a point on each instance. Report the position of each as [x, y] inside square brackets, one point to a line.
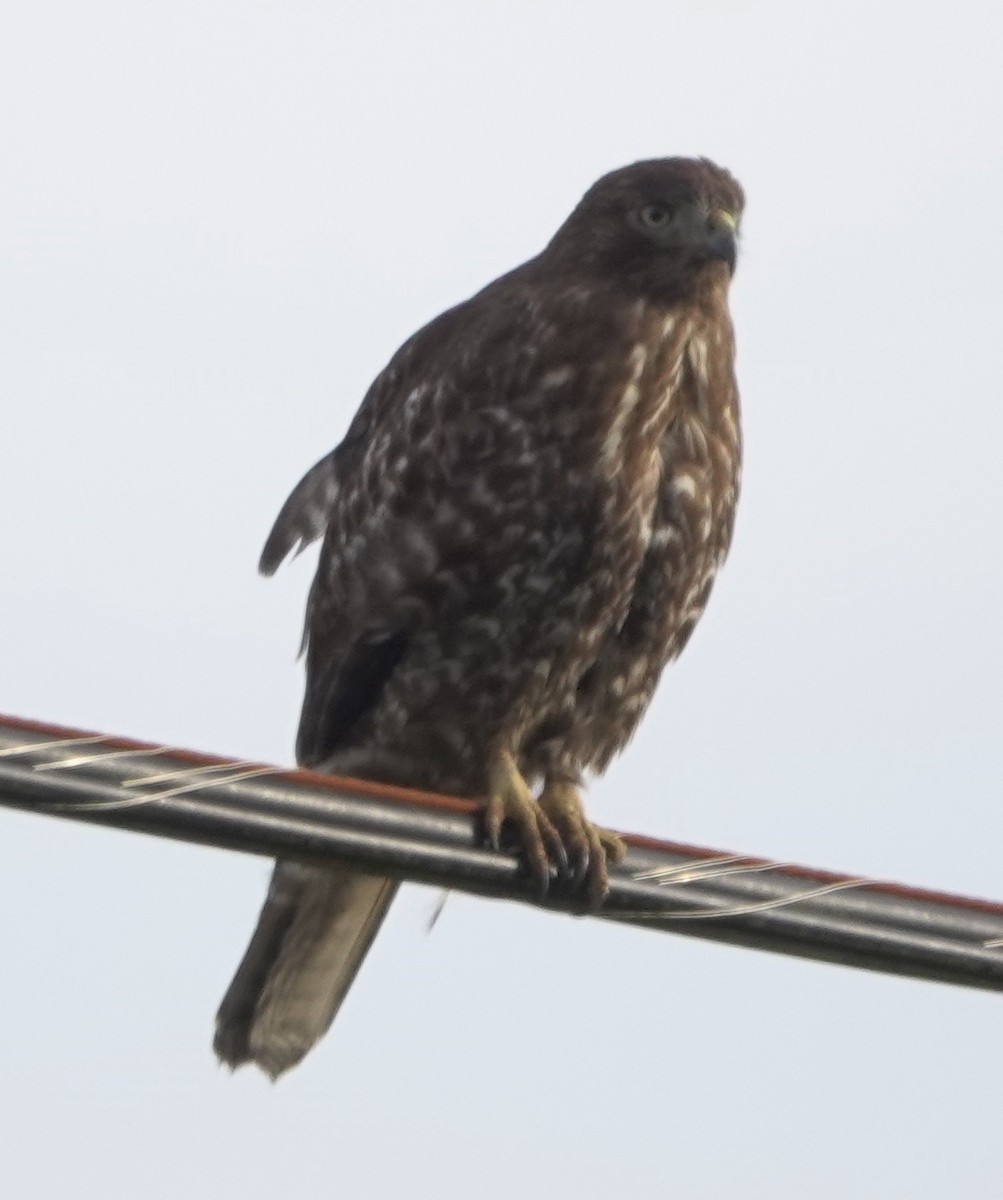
[304, 516]
[307, 512]
[390, 504]
[344, 694]
[377, 553]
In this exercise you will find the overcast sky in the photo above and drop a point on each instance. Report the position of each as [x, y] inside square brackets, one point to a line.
[218, 221]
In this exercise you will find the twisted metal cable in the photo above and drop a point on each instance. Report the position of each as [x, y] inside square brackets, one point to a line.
[273, 811]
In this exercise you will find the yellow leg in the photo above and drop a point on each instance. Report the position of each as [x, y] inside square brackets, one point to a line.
[589, 849]
[510, 800]
[554, 831]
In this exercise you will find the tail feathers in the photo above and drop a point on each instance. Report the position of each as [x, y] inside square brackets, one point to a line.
[312, 935]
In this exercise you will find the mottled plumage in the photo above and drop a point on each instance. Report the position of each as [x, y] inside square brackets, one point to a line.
[520, 529]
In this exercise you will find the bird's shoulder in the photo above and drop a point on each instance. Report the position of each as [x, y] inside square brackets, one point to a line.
[528, 329]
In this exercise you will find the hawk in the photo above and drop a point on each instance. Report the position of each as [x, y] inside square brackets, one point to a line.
[520, 530]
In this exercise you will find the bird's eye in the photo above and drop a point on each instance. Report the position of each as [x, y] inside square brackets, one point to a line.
[655, 216]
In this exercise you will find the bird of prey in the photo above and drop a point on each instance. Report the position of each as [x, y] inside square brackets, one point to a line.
[520, 530]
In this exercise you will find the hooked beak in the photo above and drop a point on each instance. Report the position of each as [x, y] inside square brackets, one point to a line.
[721, 237]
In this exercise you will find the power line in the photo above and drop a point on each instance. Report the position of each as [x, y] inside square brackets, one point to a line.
[301, 815]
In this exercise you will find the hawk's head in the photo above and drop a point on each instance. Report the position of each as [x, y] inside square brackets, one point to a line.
[664, 227]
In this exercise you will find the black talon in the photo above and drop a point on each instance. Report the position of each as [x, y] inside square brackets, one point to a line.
[559, 856]
[583, 861]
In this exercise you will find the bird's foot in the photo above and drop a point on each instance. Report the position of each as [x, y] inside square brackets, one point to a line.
[589, 849]
[554, 831]
[511, 801]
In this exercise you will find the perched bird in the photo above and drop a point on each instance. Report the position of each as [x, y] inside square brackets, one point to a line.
[520, 529]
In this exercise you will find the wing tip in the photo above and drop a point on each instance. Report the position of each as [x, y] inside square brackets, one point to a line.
[273, 555]
[303, 517]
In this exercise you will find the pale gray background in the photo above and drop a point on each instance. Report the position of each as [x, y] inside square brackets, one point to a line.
[218, 221]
